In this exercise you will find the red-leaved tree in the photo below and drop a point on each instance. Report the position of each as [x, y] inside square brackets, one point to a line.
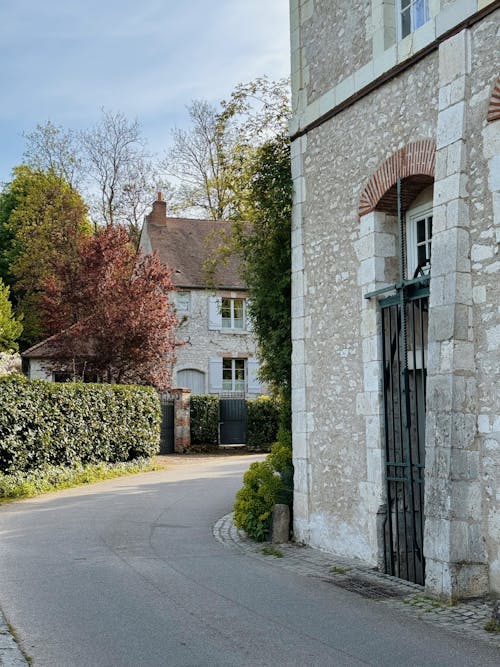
[110, 314]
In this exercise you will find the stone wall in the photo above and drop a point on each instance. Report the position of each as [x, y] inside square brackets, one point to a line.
[199, 344]
[338, 478]
[337, 426]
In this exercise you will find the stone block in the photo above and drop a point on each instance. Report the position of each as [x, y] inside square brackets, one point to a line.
[464, 465]
[494, 174]
[280, 532]
[449, 188]
[463, 430]
[436, 536]
[450, 127]
[491, 140]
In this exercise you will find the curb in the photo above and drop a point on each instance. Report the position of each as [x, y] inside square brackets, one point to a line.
[10, 653]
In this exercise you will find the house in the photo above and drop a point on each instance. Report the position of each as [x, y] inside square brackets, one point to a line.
[218, 353]
[396, 350]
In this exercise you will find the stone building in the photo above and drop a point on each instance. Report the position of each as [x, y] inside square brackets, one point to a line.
[218, 352]
[396, 351]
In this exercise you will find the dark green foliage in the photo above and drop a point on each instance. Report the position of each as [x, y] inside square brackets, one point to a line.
[265, 484]
[262, 423]
[204, 421]
[44, 423]
[263, 240]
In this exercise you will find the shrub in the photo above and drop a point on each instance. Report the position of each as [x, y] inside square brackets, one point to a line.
[262, 423]
[265, 483]
[44, 423]
[204, 413]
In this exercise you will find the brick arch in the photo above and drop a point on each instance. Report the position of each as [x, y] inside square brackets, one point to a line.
[494, 108]
[415, 159]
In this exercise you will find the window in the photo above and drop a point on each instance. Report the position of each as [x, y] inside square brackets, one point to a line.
[233, 313]
[181, 302]
[233, 374]
[412, 14]
[419, 240]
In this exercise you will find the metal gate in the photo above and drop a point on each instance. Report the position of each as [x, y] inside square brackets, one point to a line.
[404, 338]
[232, 421]
[167, 424]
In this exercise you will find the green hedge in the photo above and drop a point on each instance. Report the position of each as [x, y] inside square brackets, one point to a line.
[45, 423]
[204, 421]
[263, 415]
[265, 483]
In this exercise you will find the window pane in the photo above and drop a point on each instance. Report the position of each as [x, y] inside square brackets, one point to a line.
[238, 308]
[429, 227]
[420, 13]
[405, 22]
[420, 231]
[422, 259]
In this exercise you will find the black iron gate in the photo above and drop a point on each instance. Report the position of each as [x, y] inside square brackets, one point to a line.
[233, 421]
[167, 424]
[404, 338]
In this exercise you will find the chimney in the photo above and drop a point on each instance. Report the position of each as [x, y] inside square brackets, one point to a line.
[158, 215]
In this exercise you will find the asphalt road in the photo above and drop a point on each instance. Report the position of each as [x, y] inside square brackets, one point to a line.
[126, 573]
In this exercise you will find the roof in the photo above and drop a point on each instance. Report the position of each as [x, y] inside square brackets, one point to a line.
[185, 245]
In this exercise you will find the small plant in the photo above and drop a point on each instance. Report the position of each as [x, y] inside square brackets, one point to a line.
[492, 626]
[271, 551]
[339, 570]
[265, 483]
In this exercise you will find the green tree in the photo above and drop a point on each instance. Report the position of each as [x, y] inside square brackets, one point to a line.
[41, 219]
[10, 326]
[262, 235]
[208, 159]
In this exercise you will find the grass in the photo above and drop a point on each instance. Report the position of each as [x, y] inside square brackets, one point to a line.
[271, 551]
[15, 636]
[339, 570]
[492, 626]
[54, 478]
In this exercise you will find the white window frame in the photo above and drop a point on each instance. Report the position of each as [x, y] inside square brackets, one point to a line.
[234, 384]
[182, 302]
[411, 5]
[232, 322]
[413, 216]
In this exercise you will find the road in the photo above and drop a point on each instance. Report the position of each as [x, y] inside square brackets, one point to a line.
[127, 573]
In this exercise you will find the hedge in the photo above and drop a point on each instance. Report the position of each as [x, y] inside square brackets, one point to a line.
[262, 423]
[45, 423]
[204, 413]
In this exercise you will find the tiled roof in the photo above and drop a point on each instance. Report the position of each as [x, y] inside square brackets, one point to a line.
[184, 245]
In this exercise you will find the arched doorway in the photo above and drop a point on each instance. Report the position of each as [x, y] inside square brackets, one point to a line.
[402, 190]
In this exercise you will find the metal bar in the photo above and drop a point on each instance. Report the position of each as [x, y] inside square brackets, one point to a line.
[419, 280]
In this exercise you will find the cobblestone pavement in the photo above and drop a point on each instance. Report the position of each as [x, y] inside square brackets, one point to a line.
[465, 617]
[10, 653]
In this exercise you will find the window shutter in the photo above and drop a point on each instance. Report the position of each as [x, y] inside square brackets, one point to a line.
[214, 313]
[215, 375]
[254, 386]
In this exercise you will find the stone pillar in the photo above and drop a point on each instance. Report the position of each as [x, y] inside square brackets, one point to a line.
[376, 252]
[182, 420]
[453, 542]
[302, 423]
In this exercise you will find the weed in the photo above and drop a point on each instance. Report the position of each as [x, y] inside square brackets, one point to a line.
[492, 626]
[271, 551]
[339, 570]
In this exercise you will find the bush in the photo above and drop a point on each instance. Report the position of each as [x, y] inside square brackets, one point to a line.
[45, 423]
[262, 423]
[265, 484]
[204, 413]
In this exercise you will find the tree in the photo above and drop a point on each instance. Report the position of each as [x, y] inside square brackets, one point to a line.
[10, 326]
[121, 169]
[111, 313]
[51, 148]
[41, 220]
[262, 237]
[208, 160]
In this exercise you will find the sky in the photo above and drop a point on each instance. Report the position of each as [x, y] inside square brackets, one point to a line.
[64, 60]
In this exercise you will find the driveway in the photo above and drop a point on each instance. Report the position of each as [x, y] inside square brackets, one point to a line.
[127, 573]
